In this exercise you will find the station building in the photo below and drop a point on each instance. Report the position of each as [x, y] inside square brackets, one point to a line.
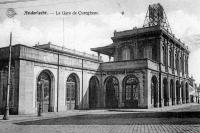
[149, 70]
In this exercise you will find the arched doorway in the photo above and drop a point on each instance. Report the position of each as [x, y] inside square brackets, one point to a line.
[112, 92]
[131, 91]
[177, 92]
[72, 92]
[187, 93]
[45, 91]
[154, 92]
[182, 92]
[166, 92]
[93, 92]
[172, 92]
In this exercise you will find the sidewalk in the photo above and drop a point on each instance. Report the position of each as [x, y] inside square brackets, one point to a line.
[48, 115]
[163, 109]
[17, 118]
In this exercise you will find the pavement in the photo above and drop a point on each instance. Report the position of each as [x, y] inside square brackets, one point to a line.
[174, 119]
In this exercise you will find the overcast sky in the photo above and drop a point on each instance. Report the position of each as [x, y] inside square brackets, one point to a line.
[82, 32]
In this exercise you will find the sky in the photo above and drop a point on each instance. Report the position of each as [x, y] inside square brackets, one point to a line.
[82, 32]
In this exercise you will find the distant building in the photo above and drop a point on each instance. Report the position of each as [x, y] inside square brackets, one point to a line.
[149, 69]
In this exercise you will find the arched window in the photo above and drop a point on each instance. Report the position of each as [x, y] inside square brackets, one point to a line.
[172, 91]
[183, 92]
[166, 92]
[44, 91]
[131, 91]
[154, 91]
[178, 95]
[93, 92]
[126, 53]
[187, 92]
[72, 92]
[112, 92]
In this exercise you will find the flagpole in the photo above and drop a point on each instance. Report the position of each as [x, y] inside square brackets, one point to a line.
[6, 114]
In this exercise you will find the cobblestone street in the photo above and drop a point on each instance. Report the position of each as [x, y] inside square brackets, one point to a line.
[103, 121]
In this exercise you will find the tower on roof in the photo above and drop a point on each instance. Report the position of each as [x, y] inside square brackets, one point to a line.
[156, 16]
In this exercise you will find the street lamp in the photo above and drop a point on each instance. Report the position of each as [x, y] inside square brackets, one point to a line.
[10, 13]
[40, 86]
[6, 113]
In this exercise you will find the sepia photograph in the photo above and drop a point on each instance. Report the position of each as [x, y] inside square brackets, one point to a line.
[99, 66]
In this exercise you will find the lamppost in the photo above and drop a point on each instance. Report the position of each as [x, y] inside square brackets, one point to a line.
[41, 94]
[6, 113]
[10, 13]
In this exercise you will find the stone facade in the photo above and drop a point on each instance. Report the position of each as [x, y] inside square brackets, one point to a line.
[150, 69]
[156, 58]
[29, 62]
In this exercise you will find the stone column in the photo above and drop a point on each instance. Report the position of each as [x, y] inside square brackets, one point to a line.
[120, 104]
[160, 57]
[98, 56]
[109, 58]
[103, 93]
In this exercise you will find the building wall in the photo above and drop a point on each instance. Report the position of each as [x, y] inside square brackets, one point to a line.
[143, 64]
[162, 48]
[14, 87]
[120, 76]
[140, 48]
[33, 61]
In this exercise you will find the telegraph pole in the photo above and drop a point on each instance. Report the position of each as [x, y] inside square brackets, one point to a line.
[6, 114]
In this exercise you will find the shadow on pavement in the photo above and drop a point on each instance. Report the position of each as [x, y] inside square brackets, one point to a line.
[150, 118]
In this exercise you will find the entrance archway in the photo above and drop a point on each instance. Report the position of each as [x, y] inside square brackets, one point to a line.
[166, 92]
[112, 92]
[187, 93]
[131, 91]
[182, 92]
[172, 92]
[154, 92]
[93, 92]
[72, 92]
[45, 91]
[177, 92]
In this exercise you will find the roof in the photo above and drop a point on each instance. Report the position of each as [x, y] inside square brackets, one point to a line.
[107, 50]
[60, 49]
